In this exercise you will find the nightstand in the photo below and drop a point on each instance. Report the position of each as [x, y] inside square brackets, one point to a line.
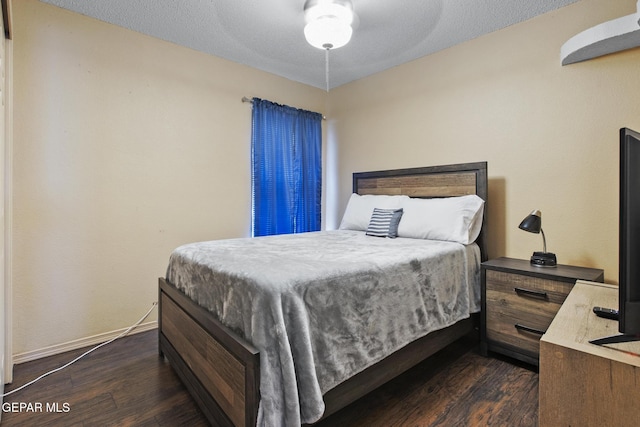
[520, 300]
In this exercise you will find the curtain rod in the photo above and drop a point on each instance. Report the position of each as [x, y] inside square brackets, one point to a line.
[250, 101]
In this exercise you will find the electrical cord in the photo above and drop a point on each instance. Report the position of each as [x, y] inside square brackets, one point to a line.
[129, 329]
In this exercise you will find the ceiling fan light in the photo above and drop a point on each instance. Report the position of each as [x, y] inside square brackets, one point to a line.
[315, 9]
[328, 23]
[328, 33]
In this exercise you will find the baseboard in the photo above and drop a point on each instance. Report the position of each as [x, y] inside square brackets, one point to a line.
[80, 343]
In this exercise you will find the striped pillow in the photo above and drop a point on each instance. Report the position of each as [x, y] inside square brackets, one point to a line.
[384, 223]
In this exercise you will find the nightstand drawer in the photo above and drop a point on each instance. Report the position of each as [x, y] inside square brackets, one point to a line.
[519, 308]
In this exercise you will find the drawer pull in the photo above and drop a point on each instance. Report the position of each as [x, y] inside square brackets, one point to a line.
[529, 329]
[530, 293]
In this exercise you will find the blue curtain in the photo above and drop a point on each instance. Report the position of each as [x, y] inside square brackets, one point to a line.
[286, 161]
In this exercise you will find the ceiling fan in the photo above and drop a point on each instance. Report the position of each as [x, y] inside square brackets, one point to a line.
[328, 26]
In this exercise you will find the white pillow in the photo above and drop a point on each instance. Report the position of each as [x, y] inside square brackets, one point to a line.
[455, 219]
[359, 209]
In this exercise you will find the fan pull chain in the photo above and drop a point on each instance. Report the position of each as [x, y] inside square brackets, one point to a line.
[326, 67]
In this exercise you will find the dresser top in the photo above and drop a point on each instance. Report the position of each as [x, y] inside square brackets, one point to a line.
[576, 324]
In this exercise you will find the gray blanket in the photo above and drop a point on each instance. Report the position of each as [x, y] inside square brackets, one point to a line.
[323, 306]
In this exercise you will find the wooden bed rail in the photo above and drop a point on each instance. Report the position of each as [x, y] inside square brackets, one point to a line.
[213, 360]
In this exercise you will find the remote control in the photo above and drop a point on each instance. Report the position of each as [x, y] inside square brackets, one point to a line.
[607, 313]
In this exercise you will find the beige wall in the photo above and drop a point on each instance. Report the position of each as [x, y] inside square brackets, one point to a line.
[549, 133]
[124, 147]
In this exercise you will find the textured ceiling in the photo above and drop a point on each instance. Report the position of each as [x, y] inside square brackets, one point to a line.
[268, 34]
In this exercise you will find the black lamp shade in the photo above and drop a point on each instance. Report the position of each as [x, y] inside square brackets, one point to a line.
[532, 223]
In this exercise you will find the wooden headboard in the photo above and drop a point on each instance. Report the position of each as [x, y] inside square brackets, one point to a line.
[428, 182]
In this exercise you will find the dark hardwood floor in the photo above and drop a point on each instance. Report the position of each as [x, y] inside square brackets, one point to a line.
[127, 384]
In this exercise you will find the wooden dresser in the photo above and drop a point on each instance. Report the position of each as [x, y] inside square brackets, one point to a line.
[583, 384]
[519, 302]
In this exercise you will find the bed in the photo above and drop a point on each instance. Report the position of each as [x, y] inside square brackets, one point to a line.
[222, 369]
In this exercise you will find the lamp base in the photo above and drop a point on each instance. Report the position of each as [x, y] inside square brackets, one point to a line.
[544, 259]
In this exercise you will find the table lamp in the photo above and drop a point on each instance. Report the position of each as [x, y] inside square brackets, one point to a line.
[533, 224]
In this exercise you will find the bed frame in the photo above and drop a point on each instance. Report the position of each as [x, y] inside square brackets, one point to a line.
[222, 371]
